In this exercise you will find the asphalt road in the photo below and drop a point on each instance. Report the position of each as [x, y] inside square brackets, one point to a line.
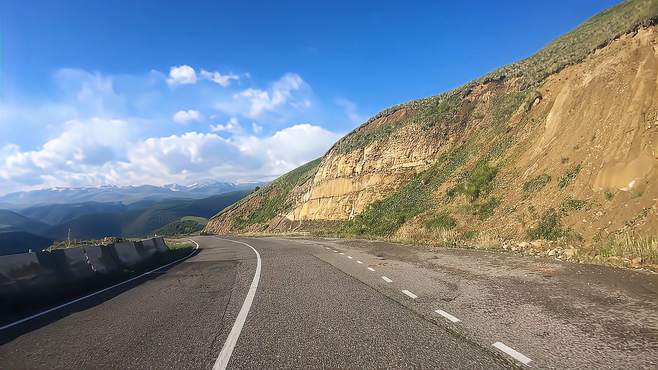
[306, 312]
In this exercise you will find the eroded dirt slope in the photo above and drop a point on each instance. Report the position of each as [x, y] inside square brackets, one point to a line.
[561, 147]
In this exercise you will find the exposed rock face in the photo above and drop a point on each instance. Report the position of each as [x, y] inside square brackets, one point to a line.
[582, 141]
[347, 183]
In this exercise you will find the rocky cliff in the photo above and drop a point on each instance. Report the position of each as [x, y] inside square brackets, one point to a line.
[559, 147]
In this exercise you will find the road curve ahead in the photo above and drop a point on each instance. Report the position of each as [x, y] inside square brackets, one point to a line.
[298, 311]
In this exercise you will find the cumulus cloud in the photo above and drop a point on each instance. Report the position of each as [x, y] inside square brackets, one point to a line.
[80, 150]
[292, 146]
[253, 102]
[181, 75]
[102, 129]
[103, 151]
[187, 116]
[218, 78]
[232, 126]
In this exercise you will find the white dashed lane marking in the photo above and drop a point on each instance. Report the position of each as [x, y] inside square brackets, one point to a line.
[518, 356]
[409, 294]
[447, 316]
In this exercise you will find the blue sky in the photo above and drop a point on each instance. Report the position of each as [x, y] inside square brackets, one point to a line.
[133, 92]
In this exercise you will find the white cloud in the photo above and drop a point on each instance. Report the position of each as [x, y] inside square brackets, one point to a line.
[295, 145]
[77, 139]
[232, 126]
[80, 151]
[218, 78]
[181, 75]
[187, 116]
[350, 110]
[253, 103]
[256, 128]
[102, 151]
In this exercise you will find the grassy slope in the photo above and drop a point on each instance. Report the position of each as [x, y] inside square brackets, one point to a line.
[384, 217]
[473, 161]
[20, 242]
[272, 200]
[12, 221]
[566, 50]
[54, 214]
[184, 226]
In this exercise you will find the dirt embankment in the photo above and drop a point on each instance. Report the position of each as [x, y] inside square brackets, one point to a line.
[571, 161]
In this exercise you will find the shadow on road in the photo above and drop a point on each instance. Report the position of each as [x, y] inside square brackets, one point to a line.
[47, 301]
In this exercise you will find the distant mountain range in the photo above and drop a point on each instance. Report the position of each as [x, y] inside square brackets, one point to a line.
[138, 221]
[36, 218]
[12, 221]
[115, 194]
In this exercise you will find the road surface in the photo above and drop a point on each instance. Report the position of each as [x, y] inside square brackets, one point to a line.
[292, 303]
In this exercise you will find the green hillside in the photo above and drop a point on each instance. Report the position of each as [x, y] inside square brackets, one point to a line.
[54, 214]
[12, 221]
[184, 226]
[21, 242]
[142, 222]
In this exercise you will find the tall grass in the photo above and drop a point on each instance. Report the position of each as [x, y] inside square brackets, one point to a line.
[630, 245]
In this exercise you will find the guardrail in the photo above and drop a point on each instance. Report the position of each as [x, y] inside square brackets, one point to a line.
[34, 274]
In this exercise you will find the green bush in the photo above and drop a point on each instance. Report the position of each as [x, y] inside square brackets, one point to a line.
[573, 205]
[568, 177]
[536, 184]
[485, 209]
[549, 227]
[479, 182]
[442, 221]
[470, 234]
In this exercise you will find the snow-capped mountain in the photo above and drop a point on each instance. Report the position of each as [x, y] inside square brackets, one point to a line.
[123, 194]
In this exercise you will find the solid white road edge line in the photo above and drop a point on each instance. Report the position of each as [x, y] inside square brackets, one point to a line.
[387, 279]
[447, 316]
[518, 356]
[232, 339]
[409, 294]
[7, 326]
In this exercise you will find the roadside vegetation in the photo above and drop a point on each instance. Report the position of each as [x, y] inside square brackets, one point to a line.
[275, 196]
[629, 245]
[568, 177]
[456, 201]
[537, 183]
[188, 225]
[442, 221]
[566, 50]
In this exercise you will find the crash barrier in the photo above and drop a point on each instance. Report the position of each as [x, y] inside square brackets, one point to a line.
[34, 274]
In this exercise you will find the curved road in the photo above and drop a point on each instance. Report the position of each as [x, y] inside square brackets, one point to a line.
[305, 313]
